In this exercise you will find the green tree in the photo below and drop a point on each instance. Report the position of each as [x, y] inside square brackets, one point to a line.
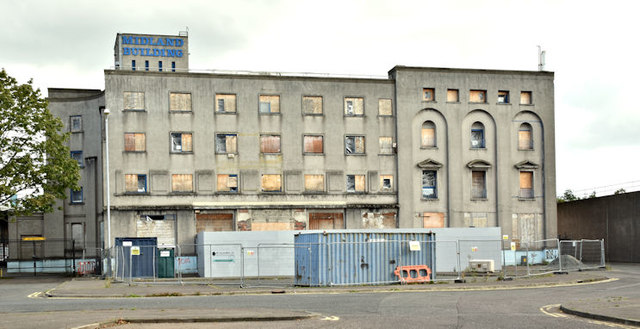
[567, 196]
[35, 164]
[619, 191]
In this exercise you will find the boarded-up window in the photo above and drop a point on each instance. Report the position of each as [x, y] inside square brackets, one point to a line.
[527, 227]
[260, 226]
[225, 103]
[326, 221]
[181, 182]
[429, 184]
[386, 183]
[133, 100]
[525, 142]
[269, 104]
[526, 184]
[312, 104]
[313, 144]
[503, 97]
[384, 107]
[227, 183]
[355, 183]
[180, 102]
[314, 183]
[270, 144]
[75, 123]
[354, 145]
[432, 220]
[77, 234]
[214, 222]
[181, 142]
[478, 185]
[134, 142]
[477, 135]
[226, 143]
[353, 106]
[476, 219]
[525, 98]
[386, 145]
[135, 183]
[428, 134]
[478, 96]
[428, 94]
[271, 183]
[452, 96]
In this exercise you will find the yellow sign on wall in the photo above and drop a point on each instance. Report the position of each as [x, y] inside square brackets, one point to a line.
[33, 238]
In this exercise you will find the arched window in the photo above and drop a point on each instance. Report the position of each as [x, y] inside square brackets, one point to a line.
[477, 135]
[525, 140]
[428, 134]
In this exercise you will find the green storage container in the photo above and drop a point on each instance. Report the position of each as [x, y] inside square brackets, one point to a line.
[166, 263]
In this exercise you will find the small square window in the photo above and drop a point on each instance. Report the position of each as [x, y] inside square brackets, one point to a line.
[525, 98]
[355, 183]
[385, 107]
[314, 183]
[181, 142]
[225, 103]
[75, 123]
[76, 196]
[354, 145]
[134, 142]
[133, 101]
[312, 105]
[503, 97]
[226, 143]
[135, 183]
[270, 144]
[269, 104]
[386, 183]
[386, 145]
[77, 155]
[182, 183]
[477, 96]
[160, 66]
[227, 183]
[428, 94]
[452, 96]
[313, 144]
[353, 106]
[180, 102]
[271, 183]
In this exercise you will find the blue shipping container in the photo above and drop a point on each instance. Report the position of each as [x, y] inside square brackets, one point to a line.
[139, 265]
[350, 257]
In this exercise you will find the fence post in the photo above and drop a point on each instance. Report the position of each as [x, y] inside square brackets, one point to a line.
[73, 256]
[559, 255]
[458, 259]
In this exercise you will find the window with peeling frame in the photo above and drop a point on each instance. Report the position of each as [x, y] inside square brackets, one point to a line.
[354, 145]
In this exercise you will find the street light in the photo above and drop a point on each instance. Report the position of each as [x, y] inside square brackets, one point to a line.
[106, 138]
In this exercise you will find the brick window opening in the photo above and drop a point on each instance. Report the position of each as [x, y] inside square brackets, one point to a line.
[225, 103]
[353, 106]
[526, 184]
[428, 134]
[428, 94]
[227, 183]
[134, 142]
[354, 145]
[386, 145]
[269, 104]
[270, 144]
[477, 96]
[180, 102]
[135, 183]
[226, 143]
[181, 142]
[385, 107]
[452, 96]
[313, 144]
[478, 185]
[503, 97]
[525, 98]
[314, 183]
[182, 183]
[429, 184]
[133, 101]
[355, 183]
[271, 183]
[477, 135]
[312, 105]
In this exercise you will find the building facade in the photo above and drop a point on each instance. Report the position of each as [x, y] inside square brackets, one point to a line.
[422, 148]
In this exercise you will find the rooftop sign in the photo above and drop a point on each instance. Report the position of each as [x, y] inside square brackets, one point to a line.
[151, 46]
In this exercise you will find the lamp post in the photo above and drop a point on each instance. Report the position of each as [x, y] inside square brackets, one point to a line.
[106, 135]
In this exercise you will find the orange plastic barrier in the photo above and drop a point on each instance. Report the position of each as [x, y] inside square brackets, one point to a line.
[413, 273]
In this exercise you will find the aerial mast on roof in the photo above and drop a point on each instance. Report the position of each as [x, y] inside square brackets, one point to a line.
[541, 58]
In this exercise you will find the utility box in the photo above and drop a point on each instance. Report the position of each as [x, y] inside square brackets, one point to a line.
[348, 257]
[482, 265]
[166, 263]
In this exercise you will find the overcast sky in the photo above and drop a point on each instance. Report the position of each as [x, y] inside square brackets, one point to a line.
[591, 46]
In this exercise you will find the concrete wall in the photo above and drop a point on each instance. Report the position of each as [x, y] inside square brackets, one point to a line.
[615, 218]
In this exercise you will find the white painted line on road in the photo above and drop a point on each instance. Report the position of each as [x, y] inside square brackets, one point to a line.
[36, 294]
[330, 318]
[546, 310]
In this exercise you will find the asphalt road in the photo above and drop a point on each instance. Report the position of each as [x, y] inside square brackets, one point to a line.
[521, 308]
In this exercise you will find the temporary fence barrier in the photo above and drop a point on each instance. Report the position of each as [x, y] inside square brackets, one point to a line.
[39, 255]
[581, 254]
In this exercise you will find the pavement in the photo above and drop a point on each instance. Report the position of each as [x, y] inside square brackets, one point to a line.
[619, 309]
